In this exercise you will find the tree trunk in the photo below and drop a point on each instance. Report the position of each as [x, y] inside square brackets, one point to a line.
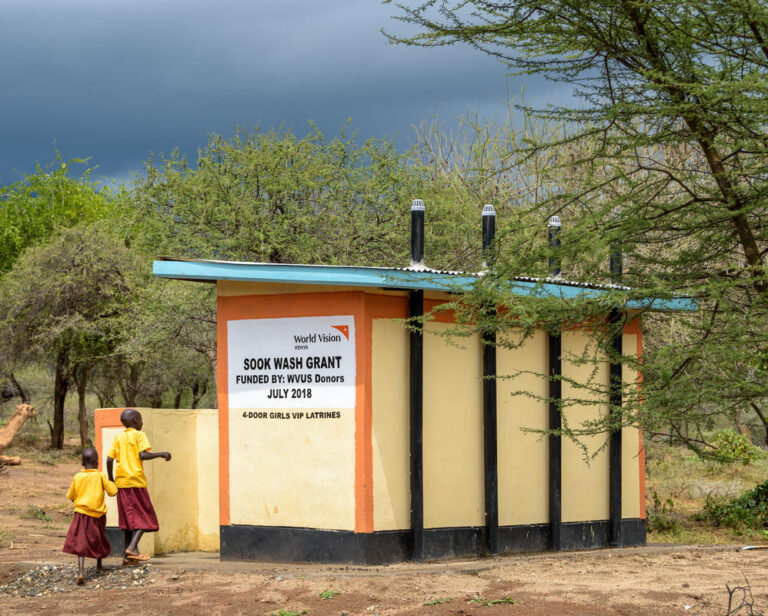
[177, 398]
[762, 417]
[198, 391]
[19, 390]
[60, 388]
[81, 376]
[130, 387]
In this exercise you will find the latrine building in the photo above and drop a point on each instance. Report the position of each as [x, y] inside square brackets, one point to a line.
[345, 436]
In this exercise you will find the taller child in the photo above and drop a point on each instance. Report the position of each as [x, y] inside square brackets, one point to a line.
[136, 515]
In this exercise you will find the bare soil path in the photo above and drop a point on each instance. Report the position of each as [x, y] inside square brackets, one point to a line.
[632, 582]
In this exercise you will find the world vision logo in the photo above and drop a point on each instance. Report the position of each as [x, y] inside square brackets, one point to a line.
[344, 329]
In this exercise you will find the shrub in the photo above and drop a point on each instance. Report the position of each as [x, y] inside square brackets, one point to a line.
[731, 446]
[660, 515]
[750, 510]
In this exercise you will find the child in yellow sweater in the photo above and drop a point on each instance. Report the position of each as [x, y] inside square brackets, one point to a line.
[135, 512]
[87, 537]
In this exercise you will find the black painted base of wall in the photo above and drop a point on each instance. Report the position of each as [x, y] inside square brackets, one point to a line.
[116, 540]
[287, 544]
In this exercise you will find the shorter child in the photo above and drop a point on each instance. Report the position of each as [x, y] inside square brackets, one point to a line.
[87, 536]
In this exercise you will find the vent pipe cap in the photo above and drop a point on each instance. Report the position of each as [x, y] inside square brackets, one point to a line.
[417, 205]
[489, 210]
[554, 221]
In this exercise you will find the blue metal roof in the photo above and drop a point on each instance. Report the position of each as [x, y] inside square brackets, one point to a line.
[390, 278]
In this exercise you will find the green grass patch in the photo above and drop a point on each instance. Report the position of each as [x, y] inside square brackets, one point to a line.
[329, 594]
[5, 538]
[491, 602]
[33, 512]
[288, 613]
[438, 601]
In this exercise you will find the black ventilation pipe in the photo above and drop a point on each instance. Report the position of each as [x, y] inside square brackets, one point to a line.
[553, 233]
[490, 426]
[417, 232]
[489, 234]
[555, 403]
[616, 319]
[416, 311]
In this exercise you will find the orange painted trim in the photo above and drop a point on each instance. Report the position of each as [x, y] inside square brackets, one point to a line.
[641, 453]
[105, 418]
[444, 316]
[387, 306]
[364, 423]
[222, 358]
[231, 308]
[632, 326]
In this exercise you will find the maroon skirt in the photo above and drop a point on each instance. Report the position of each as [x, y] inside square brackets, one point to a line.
[135, 510]
[87, 537]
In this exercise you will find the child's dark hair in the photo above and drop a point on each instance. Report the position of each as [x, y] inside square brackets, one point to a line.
[128, 417]
[90, 457]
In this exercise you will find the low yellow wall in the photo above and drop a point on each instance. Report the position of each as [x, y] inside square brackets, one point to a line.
[208, 480]
[184, 491]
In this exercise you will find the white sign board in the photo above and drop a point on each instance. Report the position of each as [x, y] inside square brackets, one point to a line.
[292, 395]
[291, 363]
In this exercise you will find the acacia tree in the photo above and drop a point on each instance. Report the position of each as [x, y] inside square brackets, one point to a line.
[168, 348]
[62, 303]
[273, 197]
[34, 208]
[668, 159]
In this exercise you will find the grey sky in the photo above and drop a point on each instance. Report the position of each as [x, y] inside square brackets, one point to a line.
[118, 79]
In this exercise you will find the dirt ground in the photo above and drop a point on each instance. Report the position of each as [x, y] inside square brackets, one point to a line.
[637, 581]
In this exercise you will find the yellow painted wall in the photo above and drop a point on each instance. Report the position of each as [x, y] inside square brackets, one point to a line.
[453, 431]
[630, 446]
[391, 426]
[208, 480]
[173, 485]
[286, 474]
[184, 491]
[585, 485]
[523, 457]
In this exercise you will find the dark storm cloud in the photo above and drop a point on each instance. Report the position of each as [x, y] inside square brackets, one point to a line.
[116, 80]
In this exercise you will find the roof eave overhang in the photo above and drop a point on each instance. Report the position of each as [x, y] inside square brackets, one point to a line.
[387, 278]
